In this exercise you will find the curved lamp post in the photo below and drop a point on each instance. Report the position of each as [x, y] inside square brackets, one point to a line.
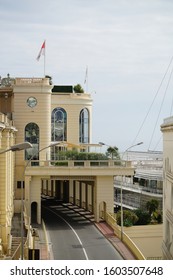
[113, 148]
[121, 194]
[18, 147]
[103, 144]
[140, 143]
[22, 195]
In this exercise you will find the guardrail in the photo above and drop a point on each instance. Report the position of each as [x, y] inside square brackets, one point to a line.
[46, 240]
[110, 219]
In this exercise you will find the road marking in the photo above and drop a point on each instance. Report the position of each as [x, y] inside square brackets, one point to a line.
[77, 236]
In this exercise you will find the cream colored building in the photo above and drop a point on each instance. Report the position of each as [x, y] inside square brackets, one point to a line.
[167, 130]
[7, 138]
[43, 115]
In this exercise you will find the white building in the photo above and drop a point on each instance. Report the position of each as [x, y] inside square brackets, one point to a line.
[146, 184]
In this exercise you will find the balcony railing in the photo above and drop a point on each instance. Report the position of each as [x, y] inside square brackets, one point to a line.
[81, 163]
[128, 202]
[31, 81]
[137, 188]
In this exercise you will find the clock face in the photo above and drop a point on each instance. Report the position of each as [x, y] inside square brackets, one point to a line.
[31, 102]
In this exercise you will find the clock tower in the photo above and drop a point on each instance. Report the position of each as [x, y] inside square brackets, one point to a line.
[32, 117]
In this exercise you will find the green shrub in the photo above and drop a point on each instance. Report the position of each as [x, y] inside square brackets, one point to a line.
[129, 218]
[152, 205]
[75, 155]
[157, 216]
[144, 218]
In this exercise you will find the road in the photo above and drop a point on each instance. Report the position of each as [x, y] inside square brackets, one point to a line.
[74, 237]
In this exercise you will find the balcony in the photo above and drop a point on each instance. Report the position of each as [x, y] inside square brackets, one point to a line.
[128, 202]
[80, 167]
[136, 188]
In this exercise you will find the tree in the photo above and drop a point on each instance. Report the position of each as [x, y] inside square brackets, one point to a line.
[129, 218]
[152, 205]
[113, 152]
[78, 89]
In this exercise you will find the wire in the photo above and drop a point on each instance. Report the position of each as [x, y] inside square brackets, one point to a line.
[160, 108]
[157, 143]
[154, 100]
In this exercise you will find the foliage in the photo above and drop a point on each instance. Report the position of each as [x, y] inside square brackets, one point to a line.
[129, 218]
[75, 155]
[144, 217]
[157, 216]
[152, 205]
[113, 152]
[78, 89]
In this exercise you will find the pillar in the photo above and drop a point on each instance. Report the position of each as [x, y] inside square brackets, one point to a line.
[103, 193]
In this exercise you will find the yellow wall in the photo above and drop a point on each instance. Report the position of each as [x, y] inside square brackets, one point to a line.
[7, 136]
[148, 239]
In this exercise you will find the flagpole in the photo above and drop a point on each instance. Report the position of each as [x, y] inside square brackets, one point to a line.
[86, 79]
[45, 58]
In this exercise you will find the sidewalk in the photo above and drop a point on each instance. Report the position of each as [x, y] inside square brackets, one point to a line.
[40, 243]
[108, 232]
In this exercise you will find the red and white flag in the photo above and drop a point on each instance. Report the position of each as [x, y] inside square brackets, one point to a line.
[42, 50]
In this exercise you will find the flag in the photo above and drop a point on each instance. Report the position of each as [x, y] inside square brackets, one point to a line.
[42, 50]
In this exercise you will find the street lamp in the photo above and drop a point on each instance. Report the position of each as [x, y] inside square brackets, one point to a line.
[140, 143]
[103, 144]
[18, 147]
[22, 195]
[110, 147]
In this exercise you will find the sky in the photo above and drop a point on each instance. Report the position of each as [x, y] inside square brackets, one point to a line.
[126, 45]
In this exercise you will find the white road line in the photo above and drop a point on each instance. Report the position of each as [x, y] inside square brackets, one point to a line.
[77, 236]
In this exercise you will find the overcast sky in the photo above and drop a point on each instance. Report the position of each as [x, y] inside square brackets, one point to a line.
[126, 44]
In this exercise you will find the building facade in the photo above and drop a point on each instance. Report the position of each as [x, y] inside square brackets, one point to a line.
[167, 246]
[7, 138]
[52, 119]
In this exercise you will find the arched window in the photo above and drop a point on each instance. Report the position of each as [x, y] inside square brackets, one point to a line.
[84, 126]
[59, 124]
[32, 136]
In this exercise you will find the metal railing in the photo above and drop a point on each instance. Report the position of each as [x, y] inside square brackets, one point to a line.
[137, 188]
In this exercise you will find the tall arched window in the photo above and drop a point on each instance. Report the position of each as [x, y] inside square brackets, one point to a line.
[32, 136]
[59, 124]
[84, 126]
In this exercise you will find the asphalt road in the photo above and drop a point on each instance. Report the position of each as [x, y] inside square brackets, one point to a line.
[74, 237]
